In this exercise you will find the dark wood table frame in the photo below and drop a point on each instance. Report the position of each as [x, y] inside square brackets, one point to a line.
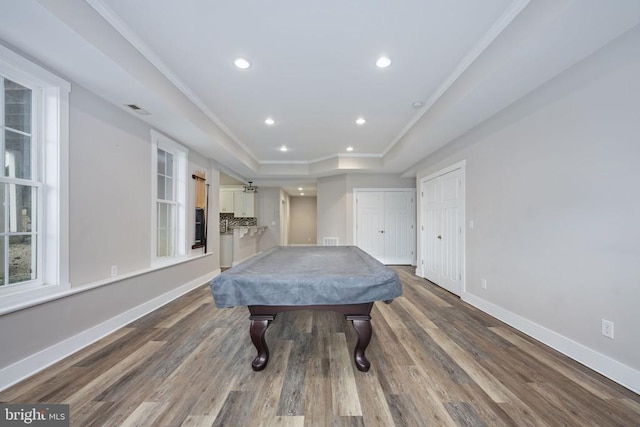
[358, 314]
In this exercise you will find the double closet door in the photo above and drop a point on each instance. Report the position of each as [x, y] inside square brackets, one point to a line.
[385, 224]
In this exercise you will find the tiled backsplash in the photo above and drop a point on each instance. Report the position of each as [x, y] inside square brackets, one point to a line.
[237, 222]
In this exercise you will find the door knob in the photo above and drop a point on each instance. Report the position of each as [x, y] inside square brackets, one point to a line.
[439, 236]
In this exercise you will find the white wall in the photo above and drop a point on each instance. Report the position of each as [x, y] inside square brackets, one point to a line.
[110, 213]
[303, 221]
[332, 208]
[110, 193]
[268, 201]
[335, 201]
[552, 187]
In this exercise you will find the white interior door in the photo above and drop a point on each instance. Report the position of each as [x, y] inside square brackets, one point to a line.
[399, 233]
[451, 232]
[442, 230]
[429, 230]
[385, 224]
[370, 223]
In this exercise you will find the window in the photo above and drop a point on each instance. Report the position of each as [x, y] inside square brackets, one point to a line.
[19, 187]
[169, 166]
[33, 182]
[167, 206]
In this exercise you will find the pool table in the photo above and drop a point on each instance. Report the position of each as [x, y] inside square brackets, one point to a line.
[344, 279]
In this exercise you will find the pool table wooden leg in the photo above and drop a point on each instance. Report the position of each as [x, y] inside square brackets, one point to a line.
[259, 325]
[362, 325]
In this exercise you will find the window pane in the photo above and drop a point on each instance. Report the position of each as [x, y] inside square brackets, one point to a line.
[161, 162]
[162, 242]
[20, 208]
[169, 169]
[171, 221]
[17, 155]
[3, 210]
[21, 253]
[2, 260]
[161, 230]
[168, 188]
[165, 230]
[162, 215]
[161, 189]
[17, 106]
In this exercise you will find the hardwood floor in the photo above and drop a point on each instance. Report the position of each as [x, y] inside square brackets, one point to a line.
[435, 361]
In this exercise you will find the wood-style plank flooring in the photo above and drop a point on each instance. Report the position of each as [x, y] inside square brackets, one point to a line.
[435, 361]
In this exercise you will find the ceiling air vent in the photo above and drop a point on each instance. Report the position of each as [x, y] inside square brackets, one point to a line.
[138, 110]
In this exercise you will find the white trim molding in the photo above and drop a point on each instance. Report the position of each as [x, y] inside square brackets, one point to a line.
[492, 33]
[35, 363]
[610, 368]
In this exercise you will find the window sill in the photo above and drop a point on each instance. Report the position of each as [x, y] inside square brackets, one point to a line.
[52, 294]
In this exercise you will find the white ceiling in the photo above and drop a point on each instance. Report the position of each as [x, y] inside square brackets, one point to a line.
[313, 71]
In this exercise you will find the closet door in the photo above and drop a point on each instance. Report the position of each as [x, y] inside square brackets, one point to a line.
[399, 233]
[385, 225]
[441, 230]
[430, 229]
[450, 267]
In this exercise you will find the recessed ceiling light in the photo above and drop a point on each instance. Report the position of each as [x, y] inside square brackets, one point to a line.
[349, 148]
[299, 188]
[302, 194]
[283, 148]
[242, 63]
[383, 62]
[418, 104]
[360, 121]
[270, 121]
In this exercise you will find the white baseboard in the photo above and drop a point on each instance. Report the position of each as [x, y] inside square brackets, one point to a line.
[610, 368]
[30, 365]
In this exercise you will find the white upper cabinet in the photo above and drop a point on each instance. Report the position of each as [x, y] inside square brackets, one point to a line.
[226, 201]
[243, 204]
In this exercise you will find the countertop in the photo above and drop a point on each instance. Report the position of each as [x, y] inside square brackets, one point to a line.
[233, 227]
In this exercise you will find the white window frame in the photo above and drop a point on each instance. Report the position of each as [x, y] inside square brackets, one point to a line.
[50, 97]
[180, 159]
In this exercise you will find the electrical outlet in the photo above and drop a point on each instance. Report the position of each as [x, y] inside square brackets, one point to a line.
[114, 270]
[483, 283]
[607, 328]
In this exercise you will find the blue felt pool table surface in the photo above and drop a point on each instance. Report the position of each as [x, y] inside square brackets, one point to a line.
[306, 275]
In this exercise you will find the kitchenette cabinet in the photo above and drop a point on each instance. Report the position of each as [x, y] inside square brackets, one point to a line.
[226, 201]
[243, 204]
[226, 250]
[239, 244]
[239, 203]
